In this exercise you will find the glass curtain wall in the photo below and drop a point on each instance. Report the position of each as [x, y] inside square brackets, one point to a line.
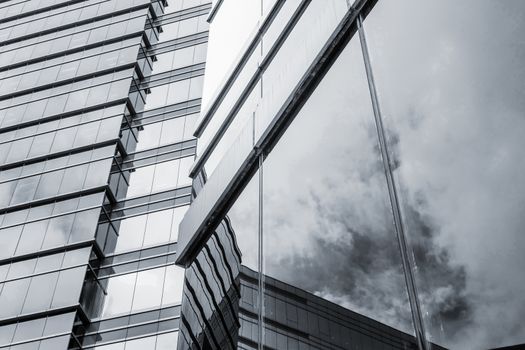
[452, 93]
[318, 219]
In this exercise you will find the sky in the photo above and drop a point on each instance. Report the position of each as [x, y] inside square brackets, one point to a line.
[451, 81]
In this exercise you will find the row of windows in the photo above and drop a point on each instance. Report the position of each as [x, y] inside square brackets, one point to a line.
[142, 290]
[176, 92]
[159, 177]
[166, 132]
[72, 38]
[94, 28]
[183, 28]
[80, 67]
[61, 140]
[127, 321]
[67, 58]
[43, 264]
[61, 123]
[54, 183]
[272, 338]
[180, 58]
[64, 16]
[179, 5]
[37, 328]
[42, 292]
[55, 232]
[53, 343]
[157, 201]
[157, 155]
[138, 260]
[166, 341]
[61, 89]
[39, 20]
[53, 209]
[68, 160]
[15, 8]
[65, 103]
[150, 229]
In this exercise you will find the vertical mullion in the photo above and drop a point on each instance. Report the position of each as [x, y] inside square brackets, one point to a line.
[393, 196]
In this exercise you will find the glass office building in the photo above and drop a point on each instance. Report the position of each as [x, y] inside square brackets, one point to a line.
[98, 100]
[358, 179]
[261, 174]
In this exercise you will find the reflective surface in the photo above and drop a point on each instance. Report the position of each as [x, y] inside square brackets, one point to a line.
[327, 225]
[143, 290]
[452, 94]
[160, 177]
[150, 229]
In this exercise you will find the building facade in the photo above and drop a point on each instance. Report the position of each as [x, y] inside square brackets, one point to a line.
[356, 182]
[97, 105]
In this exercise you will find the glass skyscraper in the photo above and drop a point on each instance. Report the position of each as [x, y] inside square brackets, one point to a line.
[261, 174]
[98, 100]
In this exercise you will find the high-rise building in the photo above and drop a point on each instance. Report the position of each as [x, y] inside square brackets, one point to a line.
[261, 174]
[97, 105]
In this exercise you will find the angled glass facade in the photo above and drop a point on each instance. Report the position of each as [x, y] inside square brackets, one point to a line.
[356, 178]
[98, 101]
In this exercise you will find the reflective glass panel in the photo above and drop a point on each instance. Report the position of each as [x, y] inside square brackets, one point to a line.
[452, 90]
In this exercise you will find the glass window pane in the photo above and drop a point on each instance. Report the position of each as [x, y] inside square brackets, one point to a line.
[8, 240]
[49, 262]
[29, 329]
[21, 268]
[165, 175]
[68, 288]
[140, 181]
[13, 295]
[32, 237]
[141, 344]
[6, 333]
[178, 214]
[131, 233]
[58, 231]
[166, 341]
[327, 226]
[173, 285]
[84, 226]
[120, 295]
[59, 323]
[40, 293]
[185, 165]
[149, 136]
[54, 343]
[172, 131]
[158, 227]
[148, 289]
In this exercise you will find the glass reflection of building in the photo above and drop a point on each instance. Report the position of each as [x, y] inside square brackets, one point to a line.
[357, 183]
[98, 100]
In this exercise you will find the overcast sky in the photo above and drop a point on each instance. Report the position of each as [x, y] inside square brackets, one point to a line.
[451, 80]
